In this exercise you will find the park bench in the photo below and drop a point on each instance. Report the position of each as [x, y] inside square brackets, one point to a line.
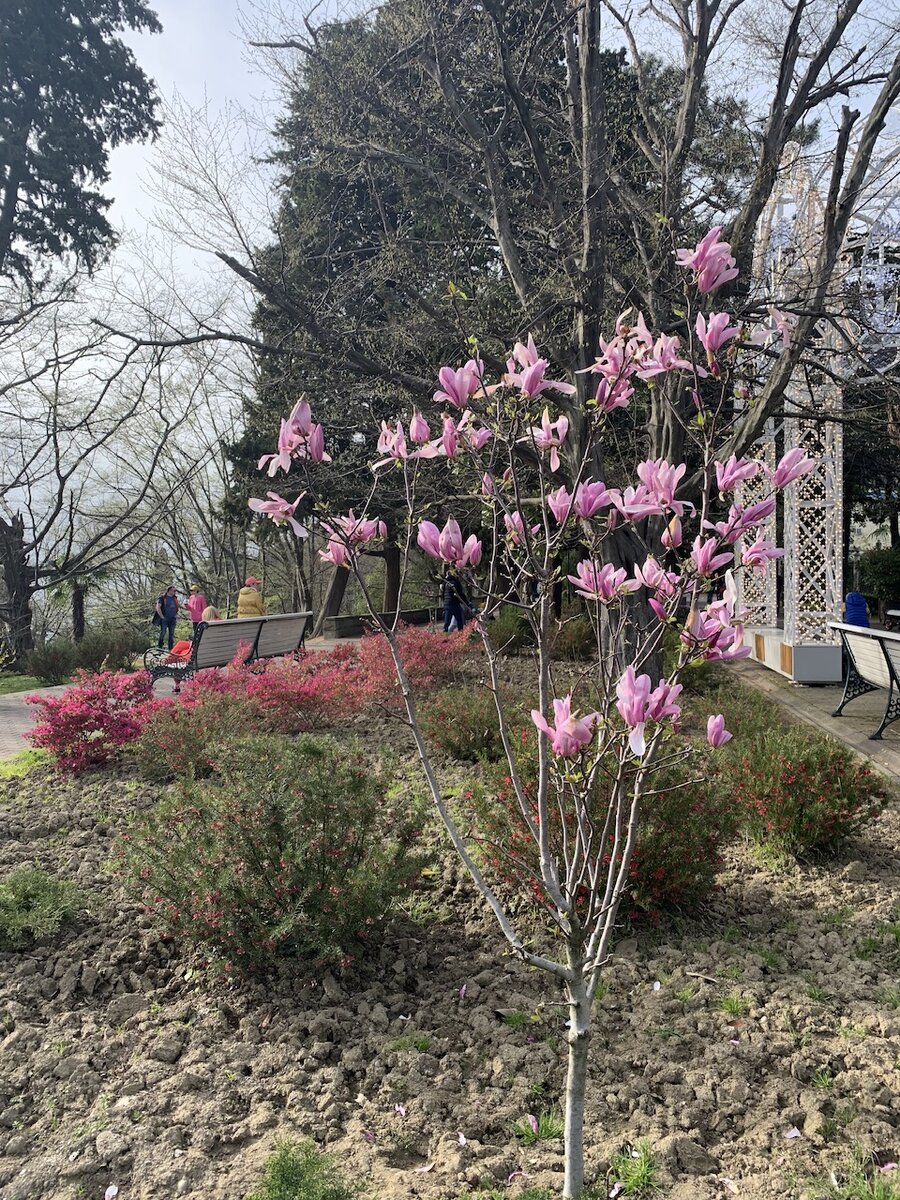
[872, 663]
[217, 642]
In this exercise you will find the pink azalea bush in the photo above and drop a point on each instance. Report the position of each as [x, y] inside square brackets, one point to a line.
[89, 723]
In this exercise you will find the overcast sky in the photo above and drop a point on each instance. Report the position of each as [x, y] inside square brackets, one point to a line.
[200, 54]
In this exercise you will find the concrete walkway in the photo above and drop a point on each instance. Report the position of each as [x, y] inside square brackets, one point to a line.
[815, 706]
[17, 717]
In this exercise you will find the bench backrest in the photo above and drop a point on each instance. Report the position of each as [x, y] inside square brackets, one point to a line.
[874, 652]
[219, 641]
[281, 634]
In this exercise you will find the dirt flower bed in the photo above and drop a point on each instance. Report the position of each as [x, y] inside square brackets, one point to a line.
[751, 1047]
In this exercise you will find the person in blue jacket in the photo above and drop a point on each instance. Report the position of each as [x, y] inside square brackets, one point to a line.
[855, 610]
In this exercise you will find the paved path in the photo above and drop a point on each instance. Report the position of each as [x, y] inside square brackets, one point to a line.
[17, 717]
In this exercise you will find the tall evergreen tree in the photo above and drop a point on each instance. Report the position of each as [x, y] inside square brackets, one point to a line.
[70, 91]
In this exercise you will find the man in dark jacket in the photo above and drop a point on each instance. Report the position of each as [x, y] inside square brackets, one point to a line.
[167, 611]
[456, 603]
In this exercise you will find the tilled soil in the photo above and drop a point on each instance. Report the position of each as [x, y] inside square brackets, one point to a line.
[769, 1047]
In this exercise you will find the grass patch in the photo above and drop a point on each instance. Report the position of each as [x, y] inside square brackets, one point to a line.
[19, 766]
[734, 1006]
[863, 1179]
[299, 1171]
[633, 1172]
[545, 1128]
[34, 905]
[19, 683]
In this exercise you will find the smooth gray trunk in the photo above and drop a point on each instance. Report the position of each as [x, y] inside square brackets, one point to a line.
[579, 1038]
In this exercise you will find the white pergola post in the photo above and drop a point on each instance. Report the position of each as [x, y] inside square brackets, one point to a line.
[758, 593]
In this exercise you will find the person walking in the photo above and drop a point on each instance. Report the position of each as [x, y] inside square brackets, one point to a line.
[249, 601]
[195, 604]
[455, 600]
[167, 610]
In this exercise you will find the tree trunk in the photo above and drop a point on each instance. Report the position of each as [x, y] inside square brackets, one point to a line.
[77, 612]
[19, 588]
[579, 1038]
[894, 524]
[334, 598]
[392, 561]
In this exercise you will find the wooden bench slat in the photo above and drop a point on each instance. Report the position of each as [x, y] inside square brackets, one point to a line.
[873, 663]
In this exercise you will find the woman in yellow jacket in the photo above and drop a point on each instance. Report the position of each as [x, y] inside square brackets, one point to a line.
[250, 602]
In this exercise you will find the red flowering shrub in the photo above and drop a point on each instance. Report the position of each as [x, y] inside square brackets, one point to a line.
[291, 848]
[429, 657]
[801, 792]
[90, 722]
[682, 831]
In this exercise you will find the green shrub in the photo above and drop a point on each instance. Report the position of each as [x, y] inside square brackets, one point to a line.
[181, 741]
[463, 723]
[53, 662]
[299, 1171]
[683, 828]
[800, 792]
[510, 630]
[110, 649]
[879, 574]
[575, 639]
[294, 847]
[34, 905]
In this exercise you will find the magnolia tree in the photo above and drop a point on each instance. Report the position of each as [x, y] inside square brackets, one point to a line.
[602, 744]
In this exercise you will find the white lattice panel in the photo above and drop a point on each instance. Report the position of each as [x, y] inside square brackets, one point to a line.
[813, 523]
[758, 591]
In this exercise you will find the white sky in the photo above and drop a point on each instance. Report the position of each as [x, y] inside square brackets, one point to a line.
[200, 55]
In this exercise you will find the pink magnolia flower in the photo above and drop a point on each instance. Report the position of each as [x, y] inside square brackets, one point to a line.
[450, 438]
[315, 446]
[447, 544]
[716, 733]
[652, 575]
[288, 442]
[661, 701]
[633, 692]
[741, 519]
[532, 368]
[560, 504]
[793, 464]
[391, 442]
[735, 471]
[458, 386]
[568, 734]
[550, 435]
[515, 527]
[760, 554]
[714, 333]
[779, 325]
[356, 530]
[661, 479]
[335, 553]
[590, 497]
[704, 556]
[604, 583]
[279, 511]
[636, 503]
[300, 419]
[418, 428]
[613, 395]
[488, 486]
[663, 358]
[710, 260]
[673, 534]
